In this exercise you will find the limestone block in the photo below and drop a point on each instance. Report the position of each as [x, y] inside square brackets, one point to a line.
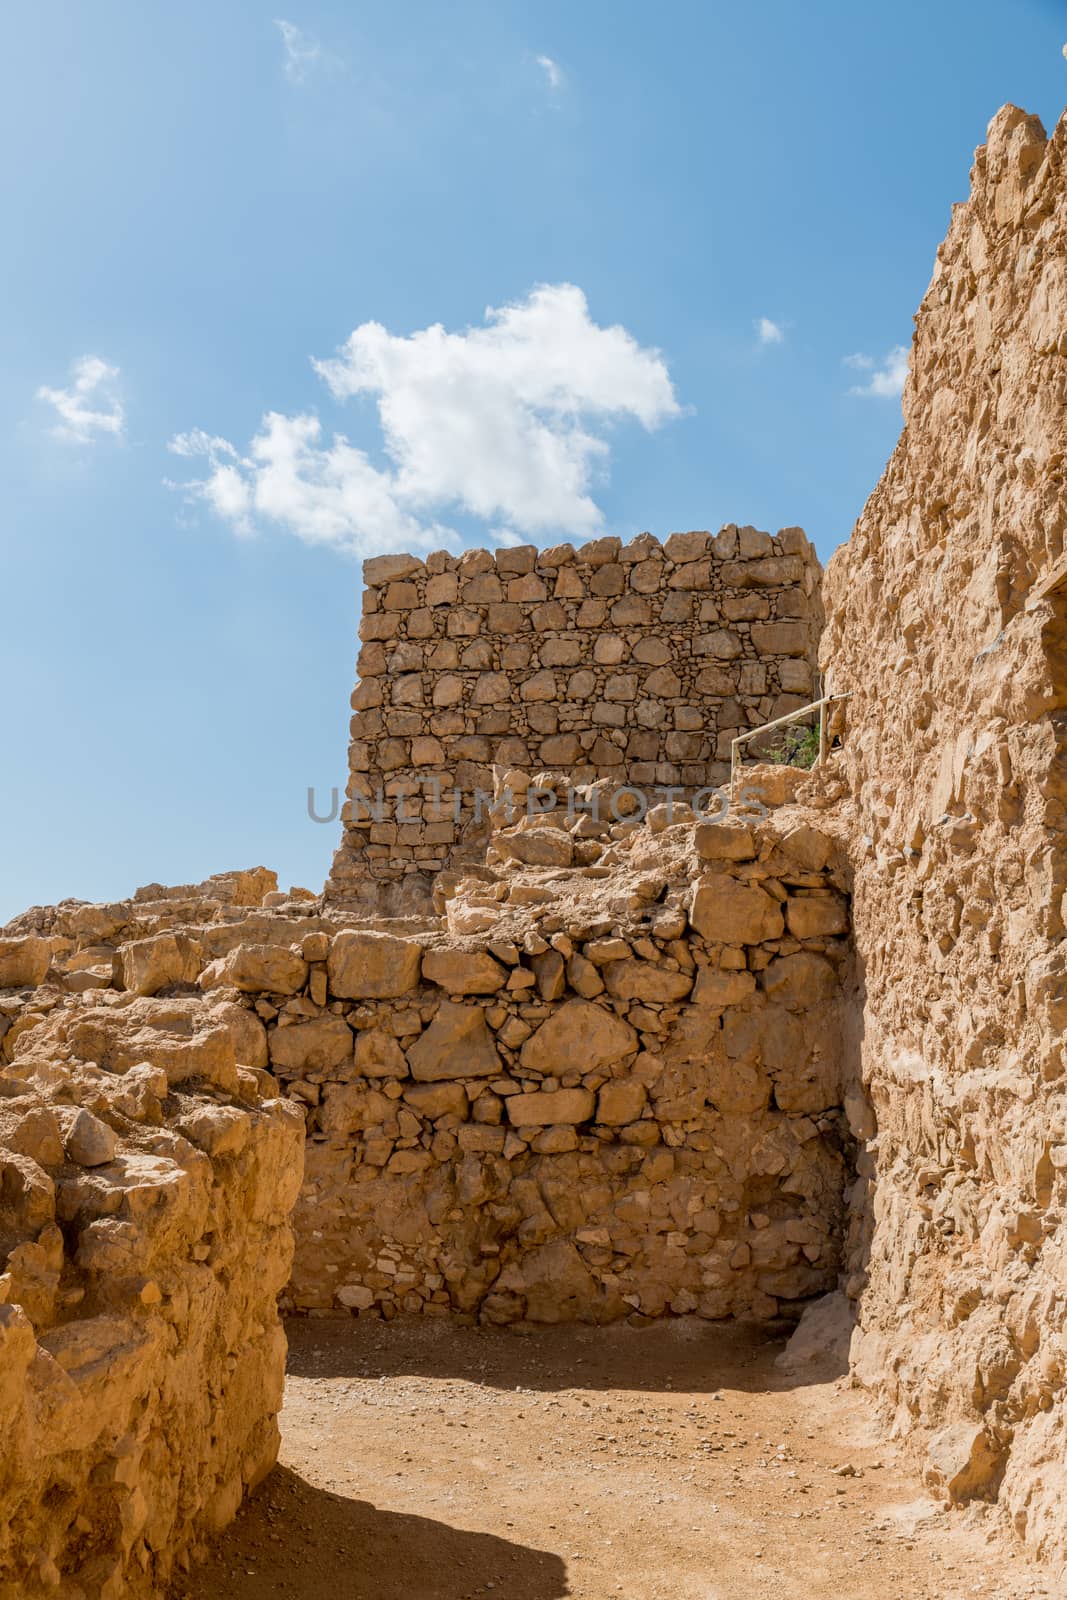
[725, 911]
[317, 1045]
[463, 971]
[434, 1100]
[816, 916]
[389, 569]
[150, 964]
[88, 1141]
[724, 841]
[255, 968]
[578, 1032]
[621, 1101]
[641, 980]
[377, 1055]
[24, 962]
[550, 1106]
[364, 965]
[799, 981]
[457, 1044]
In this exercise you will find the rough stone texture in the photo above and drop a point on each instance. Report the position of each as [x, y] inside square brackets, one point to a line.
[146, 1181]
[612, 1112]
[636, 663]
[948, 625]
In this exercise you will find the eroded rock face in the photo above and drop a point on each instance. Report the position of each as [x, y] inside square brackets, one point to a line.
[947, 623]
[146, 1182]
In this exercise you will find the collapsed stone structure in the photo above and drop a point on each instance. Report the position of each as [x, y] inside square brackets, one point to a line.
[586, 1062]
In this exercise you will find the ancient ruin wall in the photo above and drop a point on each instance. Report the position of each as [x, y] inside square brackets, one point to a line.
[586, 1122]
[145, 1187]
[638, 662]
[948, 626]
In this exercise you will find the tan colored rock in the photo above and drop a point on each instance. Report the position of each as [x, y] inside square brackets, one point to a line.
[548, 1107]
[724, 841]
[257, 968]
[372, 966]
[621, 1101]
[580, 1032]
[457, 1044]
[816, 916]
[640, 980]
[718, 990]
[725, 911]
[88, 1141]
[24, 962]
[463, 971]
[149, 965]
[313, 1046]
[377, 1055]
[437, 1100]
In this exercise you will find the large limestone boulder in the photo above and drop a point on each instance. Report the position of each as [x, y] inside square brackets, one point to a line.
[724, 911]
[24, 962]
[364, 965]
[377, 1055]
[257, 968]
[543, 1108]
[463, 971]
[149, 965]
[578, 1034]
[457, 1044]
[313, 1046]
[640, 980]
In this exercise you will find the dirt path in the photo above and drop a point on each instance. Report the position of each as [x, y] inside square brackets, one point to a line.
[426, 1462]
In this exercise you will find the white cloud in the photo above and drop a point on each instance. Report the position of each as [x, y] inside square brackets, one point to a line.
[503, 422]
[302, 52]
[552, 71]
[769, 332]
[90, 407]
[887, 380]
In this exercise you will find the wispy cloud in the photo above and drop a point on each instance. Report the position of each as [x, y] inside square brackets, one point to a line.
[90, 407]
[553, 72]
[504, 422]
[302, 52]
[769, 332]
[886, 379]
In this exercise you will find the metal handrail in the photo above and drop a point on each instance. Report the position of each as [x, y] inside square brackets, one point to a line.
[780, 722]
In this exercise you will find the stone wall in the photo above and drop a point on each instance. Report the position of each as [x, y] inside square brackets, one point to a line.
[948, 625]
[145, 1186]
[584, 1122]
[638, 662]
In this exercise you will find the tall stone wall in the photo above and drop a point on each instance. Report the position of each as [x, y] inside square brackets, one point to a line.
[948, 626]
[638, 662]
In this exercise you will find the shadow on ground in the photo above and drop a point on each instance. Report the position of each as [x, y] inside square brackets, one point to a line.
[679, 1353]
[291, 1539]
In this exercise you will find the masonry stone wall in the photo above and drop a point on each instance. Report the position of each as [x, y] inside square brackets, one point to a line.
[638, 662]
[586, 1122]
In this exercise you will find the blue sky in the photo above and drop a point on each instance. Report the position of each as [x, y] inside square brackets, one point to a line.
[199, 202]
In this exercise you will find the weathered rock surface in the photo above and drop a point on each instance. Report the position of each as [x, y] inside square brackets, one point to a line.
[145, 1192]
[948, 626]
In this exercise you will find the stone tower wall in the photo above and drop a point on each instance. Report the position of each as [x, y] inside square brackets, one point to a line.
[637, 663]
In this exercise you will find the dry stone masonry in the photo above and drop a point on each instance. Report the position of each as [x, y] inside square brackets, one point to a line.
[586, 1122]
[636, 663]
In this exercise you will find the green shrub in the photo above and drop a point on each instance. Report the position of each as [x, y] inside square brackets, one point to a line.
[795, 747]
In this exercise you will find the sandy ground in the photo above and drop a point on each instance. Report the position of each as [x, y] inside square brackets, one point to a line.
[422, 1461]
